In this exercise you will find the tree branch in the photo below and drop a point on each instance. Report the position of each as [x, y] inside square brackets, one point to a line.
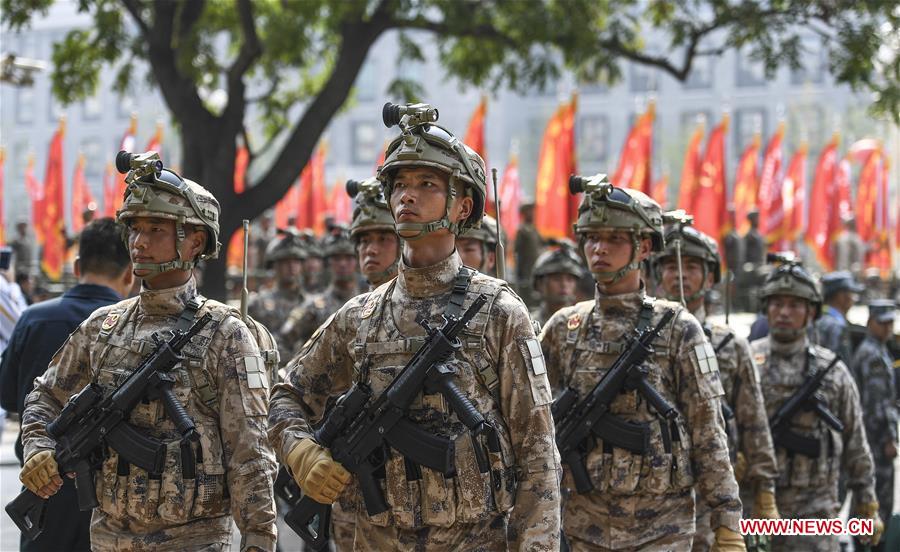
[135, 10]
[276, 80]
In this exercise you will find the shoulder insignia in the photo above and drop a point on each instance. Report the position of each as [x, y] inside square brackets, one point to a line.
[706, 358]
[574, 321]
[370, 306]
[110, 321]
[759, 358]
[319, 302]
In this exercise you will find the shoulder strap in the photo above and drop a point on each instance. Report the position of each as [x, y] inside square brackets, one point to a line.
[187, 316]
[646, 314]
[460, 287]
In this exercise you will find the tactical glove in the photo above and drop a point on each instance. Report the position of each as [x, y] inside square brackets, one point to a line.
[740, 467]
[765, 506]
[318, 475]
[870, 511]
[39, 472]
[728, 541]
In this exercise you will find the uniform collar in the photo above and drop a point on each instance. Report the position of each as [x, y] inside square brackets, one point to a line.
[700, 314]
[622, 304]
[836, 314]
[168, 301]
[789, 349]
[341, 295]
[430, 280]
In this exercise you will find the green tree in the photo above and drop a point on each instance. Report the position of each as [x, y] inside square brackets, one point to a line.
[308, 53]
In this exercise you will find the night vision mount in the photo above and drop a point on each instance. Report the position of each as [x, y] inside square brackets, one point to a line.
[370, 187]
[591, 185]
[138, 165]
[408, 116]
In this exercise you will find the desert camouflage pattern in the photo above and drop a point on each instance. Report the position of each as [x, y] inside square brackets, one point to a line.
[645, 502]
[541, 314]
[808, 487]
[873, 369]
[271, 307]
[223, 385]
[302, 321]
[433, 512]
[748, 431]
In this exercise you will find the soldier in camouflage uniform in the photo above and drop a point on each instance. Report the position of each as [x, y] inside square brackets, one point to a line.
[372, 231]
[749, 440]
[435, 185]
[315, 276]
[477, 246]
[807, 487]
[556, 274]
[272, 306]
[641, 502]
[839, 289]
[172, 223]
[873, 368]
[303, 320]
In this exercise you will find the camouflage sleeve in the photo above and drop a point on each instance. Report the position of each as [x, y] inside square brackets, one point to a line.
[68, 372]
[249, 460]
[322, 369]
[525, 398]
[753, 425]
[876, 393]
[299, 326]
[552, 339]
[856, 460]
[698, 396]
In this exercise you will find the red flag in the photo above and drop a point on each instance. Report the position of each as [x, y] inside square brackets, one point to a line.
[340, 204]
[770, 183]
[312, 201]
[660, 191]
[127, 144]
[379, 161]
[474, 138]
[824, 203]
[234, 255]
[510, 198]
[241, 160]
[555, 208]
[109, 191]
[690, 172]
[288, 206]
[81, 195]
[52, 218]
[36, 194]
[872, 217]
[746, 186]
[637, 154]
[2, 218]
[794, 195]
[710, 215]
[155, 143]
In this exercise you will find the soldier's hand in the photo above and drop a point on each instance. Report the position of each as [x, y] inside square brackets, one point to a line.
[870, 511]
[890, 450]
[740, 467]
[318, 475]
[40, 474]
[728, 541]
[765, 506]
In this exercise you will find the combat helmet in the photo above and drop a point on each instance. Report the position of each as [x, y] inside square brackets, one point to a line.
[562, 260]
[154, 191]
[607, 206]
[288, 246]
[682, 239]
[338, 244]
[790, 278]
[371, 210]
[425, 144]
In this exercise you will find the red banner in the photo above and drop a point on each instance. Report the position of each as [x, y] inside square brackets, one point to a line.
[555, 208]
[690, 172]
[234, 255]
[340, 205]
[746, 186]
[52, 219]
[510, 199]
[794, 196]
[660, 191]
[824, 203]
[35, 191]
[155, 143]
[637, 154]
[710, 215]
[872, 214]
[82, 199]
[771, 209]
[474, 138]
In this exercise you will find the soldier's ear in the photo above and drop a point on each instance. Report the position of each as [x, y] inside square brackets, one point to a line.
[645, 247]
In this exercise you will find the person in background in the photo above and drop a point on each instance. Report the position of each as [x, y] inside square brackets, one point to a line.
[839, 291]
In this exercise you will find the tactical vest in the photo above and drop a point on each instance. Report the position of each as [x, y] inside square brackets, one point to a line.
[129, 492]
[666, 467]
[419, 496]
[721, 338]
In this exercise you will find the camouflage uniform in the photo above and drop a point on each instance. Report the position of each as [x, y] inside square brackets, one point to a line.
[641, 501]
[873, 368]
[563, 260]
[302, 321]
[437, 513]
[222, 383]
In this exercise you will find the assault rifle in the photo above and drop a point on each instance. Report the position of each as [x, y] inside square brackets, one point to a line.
[358, 431]
[92, 420]
[807, 399]
[577, 425]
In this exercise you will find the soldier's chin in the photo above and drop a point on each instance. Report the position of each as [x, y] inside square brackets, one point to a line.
[786, 335]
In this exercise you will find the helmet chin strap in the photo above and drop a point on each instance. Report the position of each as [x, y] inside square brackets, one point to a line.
[421, 229]
[384, 275]
[155, 269]
[611, 277]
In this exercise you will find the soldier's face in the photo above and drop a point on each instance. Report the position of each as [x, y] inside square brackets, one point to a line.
[377, 250]
[471, 251]
[787, 314]
[312, 265]
[342, 267]
[558, 287]
[288, 271]
[610, 250]
[152, 240]
[881, 330]
[693, 275]
[420, 196]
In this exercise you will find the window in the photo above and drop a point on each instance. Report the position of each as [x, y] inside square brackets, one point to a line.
[366, 82]
[813, 64]
[748, 122]
[365, 143]
[690, 120]
[750, 72]
[593, 138]
[595, 87]
[642, 78]
[701, 75]
[93, 158]
[25, 104]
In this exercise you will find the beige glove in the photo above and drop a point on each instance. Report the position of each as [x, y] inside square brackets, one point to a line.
[40, 474]
[728, 541]
[740, 467]
[870, 511]
[318, 475]
[765, 506]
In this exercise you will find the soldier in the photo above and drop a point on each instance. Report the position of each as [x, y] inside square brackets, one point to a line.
[839, 289]
[754, 244]
[436, 186]
[556, 274]
[372, 231]
[302, 321]
[314, 277]
[478, 246]
[747, 426]
[272, 306]
[528, 245]
[807, 486]
[848, 248]
[873, 368]
[23, 247]
[172, 223]
[641, 501]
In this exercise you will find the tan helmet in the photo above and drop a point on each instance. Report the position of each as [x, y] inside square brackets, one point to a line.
[790, 278]
[154, 191]
[562, 260]
[338, 244]
[606, 206]
[370, 211]
[289, 245]
[424, 144]
[686, 241]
